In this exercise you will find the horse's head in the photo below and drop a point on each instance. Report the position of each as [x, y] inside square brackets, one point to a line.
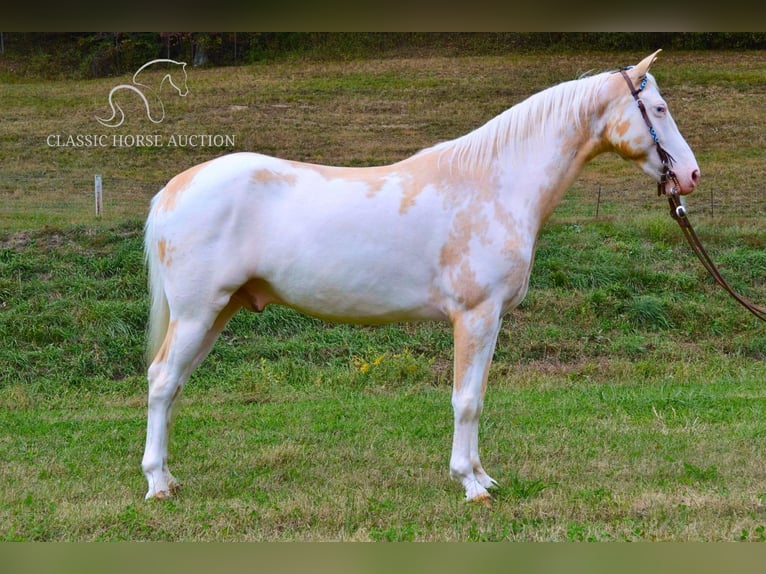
[643, 136]
[178, 77]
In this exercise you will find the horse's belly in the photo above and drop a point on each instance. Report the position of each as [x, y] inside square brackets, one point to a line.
[344, 256]
[353, 284]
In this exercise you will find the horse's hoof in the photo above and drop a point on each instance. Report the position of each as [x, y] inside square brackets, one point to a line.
[165, 494]
[161, 495]
[483, 499]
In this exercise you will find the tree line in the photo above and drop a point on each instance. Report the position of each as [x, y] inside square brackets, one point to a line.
[90, 55]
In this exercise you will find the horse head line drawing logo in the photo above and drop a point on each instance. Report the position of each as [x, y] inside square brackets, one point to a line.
[115, 121]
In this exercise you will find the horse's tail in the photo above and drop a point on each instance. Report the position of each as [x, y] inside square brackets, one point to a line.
[159, 312]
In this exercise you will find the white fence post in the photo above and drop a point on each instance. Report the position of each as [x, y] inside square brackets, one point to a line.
[97, 191]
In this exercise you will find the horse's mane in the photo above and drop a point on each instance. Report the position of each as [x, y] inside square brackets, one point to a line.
[524, 123]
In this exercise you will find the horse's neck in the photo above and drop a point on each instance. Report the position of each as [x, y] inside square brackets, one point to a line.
[539, 174]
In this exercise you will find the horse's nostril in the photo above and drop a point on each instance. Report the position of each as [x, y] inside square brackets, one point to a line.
[695, 176]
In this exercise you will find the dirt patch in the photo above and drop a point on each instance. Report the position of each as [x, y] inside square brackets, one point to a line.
[21, 240]
[16, 241]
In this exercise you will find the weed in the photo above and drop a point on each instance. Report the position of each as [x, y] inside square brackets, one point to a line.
[397, 369]
[693, 473]
[648, 311]
[525, 489]
[399, 533]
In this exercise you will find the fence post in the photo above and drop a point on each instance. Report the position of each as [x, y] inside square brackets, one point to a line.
[98, 194]
[598, 200]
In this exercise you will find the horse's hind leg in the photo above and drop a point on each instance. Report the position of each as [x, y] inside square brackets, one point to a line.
[186, 344]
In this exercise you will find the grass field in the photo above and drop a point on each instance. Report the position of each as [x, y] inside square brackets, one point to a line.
[626, 399]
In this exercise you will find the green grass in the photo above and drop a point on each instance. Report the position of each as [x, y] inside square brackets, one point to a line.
[626, 398]
[602, 421]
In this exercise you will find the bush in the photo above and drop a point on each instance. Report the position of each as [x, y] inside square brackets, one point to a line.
[105, 54]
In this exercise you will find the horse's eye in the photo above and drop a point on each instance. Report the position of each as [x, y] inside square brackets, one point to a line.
[660, 109]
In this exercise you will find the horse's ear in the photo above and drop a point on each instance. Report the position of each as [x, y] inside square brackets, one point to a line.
[637, 72]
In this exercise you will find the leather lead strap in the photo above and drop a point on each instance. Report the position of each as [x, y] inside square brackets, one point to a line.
[678, 213]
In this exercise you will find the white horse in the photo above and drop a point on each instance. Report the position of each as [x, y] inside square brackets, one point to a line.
[448, 234]
[179, 84]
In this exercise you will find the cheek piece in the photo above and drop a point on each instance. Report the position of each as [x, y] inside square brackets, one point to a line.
[667, 160]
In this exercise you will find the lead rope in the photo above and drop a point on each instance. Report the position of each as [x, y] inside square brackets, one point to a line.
[678, 211]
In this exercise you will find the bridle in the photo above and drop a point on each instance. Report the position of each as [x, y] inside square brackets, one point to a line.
[677, 209]
[667, 160]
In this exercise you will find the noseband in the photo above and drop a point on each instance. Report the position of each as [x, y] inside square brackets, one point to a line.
[667, 160]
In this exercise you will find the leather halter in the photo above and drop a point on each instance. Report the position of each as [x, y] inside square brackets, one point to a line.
[667, 160]
[677, 209]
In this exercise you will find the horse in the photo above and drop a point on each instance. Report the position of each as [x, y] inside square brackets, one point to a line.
[447, 234]
[180, 87]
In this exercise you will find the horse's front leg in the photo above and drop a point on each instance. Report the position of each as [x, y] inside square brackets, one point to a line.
[475, 334]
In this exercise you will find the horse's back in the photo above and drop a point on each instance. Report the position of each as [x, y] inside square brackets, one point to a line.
[205, 181]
